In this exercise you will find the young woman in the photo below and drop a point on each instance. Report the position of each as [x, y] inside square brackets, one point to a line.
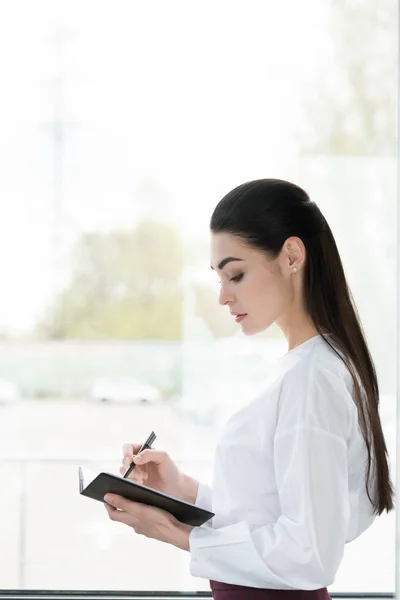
[303, 468]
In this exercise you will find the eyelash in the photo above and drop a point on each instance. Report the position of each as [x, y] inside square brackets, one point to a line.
[236, 279]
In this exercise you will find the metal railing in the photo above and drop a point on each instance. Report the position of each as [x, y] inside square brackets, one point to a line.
[148, 595]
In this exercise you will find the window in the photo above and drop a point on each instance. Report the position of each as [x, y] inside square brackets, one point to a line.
[122, 125]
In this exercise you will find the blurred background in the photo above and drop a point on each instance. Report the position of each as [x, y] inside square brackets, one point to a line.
[122, 125]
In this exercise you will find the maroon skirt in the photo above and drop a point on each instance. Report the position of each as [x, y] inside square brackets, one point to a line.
[228, 591]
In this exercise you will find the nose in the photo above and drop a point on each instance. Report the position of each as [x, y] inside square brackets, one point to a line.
[225, 296]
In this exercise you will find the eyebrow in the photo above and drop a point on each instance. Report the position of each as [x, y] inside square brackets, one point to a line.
[225, 261]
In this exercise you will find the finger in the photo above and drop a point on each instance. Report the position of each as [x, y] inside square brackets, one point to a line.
[123, 470]
[139, 478]
[133, 508]
[137, 474]
[127, 461]
[113, 502]
[150, 455]
[136, 471]
[110, 509]
[120, 516]
[128, 450]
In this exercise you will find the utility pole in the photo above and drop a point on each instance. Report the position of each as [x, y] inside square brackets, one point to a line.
[57, 128]
[58, 139]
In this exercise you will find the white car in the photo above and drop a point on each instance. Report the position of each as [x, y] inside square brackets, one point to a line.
[8, 392]
[124, 391]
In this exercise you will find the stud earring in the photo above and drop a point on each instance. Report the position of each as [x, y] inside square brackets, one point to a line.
[294, 269]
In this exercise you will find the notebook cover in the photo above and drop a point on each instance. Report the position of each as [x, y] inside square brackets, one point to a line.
[105, 483]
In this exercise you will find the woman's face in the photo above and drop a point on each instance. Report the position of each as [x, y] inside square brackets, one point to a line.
[252, 285]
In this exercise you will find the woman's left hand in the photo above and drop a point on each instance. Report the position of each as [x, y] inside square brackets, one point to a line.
[149, 521]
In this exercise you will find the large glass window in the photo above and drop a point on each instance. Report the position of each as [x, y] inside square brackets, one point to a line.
[122, 125]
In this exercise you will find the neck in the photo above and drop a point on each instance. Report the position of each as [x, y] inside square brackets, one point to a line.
[298, 332]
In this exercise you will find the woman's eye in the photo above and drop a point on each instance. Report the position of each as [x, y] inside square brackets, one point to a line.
[236, 278]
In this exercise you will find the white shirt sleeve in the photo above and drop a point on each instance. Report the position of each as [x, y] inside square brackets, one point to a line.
[304, 547]
[204, 498]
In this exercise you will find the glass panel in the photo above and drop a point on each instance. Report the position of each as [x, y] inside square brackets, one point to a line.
[123, 124]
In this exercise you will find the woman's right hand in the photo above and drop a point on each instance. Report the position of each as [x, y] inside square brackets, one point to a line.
[156, 469]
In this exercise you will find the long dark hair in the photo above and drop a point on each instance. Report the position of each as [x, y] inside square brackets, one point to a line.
[264, 213]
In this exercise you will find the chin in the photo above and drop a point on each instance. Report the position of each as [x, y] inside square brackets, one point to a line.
[248, 333]
[254, 330]
[251, 330]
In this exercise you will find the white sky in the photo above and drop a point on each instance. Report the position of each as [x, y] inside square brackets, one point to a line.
[196, 97]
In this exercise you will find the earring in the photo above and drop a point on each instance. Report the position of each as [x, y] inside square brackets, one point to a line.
[294, 269]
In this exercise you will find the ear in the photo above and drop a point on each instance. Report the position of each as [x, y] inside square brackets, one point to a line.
[293, 254]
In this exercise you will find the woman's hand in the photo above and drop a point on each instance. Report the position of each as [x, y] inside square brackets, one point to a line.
[156, 469]
[149, 521]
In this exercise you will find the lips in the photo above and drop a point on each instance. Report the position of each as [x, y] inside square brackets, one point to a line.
[240, 317]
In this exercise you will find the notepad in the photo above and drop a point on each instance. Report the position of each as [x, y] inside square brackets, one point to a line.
[96, 486]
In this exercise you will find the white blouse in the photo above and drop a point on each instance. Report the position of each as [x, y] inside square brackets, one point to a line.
[288, 481]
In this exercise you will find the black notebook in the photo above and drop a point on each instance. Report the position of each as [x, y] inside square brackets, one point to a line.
[97, 486]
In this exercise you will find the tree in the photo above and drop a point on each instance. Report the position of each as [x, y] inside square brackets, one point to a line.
[348, 146]
[124, 285]
[352, 109]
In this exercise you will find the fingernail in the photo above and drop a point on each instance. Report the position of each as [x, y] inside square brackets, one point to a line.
[108, 498]
[139, 458]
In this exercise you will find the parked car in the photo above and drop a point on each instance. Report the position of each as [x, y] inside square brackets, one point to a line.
[124, 391]
[9, 393]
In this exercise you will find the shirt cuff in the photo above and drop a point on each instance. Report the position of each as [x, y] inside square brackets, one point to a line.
[204, 497]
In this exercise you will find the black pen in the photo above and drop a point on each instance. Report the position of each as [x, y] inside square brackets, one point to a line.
[147, 444]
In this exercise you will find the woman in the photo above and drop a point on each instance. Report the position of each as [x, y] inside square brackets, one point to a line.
[303, 468]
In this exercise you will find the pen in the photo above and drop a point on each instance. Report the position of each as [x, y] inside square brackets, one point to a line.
[147, 444]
